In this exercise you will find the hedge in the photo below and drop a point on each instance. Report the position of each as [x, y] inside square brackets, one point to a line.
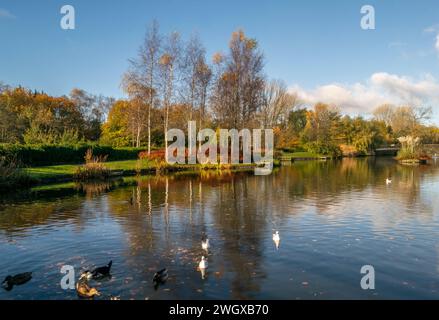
[29, 155]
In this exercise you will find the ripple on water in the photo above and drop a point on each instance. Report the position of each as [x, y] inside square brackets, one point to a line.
[333, 218]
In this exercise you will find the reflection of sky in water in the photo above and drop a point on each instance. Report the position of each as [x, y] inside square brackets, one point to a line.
[333, 218]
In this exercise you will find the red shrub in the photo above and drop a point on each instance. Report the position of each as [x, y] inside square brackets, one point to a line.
[157, 155]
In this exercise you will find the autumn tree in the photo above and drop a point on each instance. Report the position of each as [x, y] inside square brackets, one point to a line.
[297, 119]
[144, 73]
[193, 56]
[404, 120]
[138, 112]
[169, 67]
[364, 135]
[384, 113]
[115, 130]
[277, 103]
[204, 77]
[36, 117]
[94, 109]
[321, 128]
[240, 85]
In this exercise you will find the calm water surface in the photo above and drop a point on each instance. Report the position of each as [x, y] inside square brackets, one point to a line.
[333, 218]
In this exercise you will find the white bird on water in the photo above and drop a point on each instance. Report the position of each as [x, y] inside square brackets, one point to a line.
[276, 239]
[203, 266]
[205, 245]
[203, 263]
[388, 181]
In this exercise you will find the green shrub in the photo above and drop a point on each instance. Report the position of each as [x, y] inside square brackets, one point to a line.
[44, 155]
[11, 175]
[410, 148]
[323, 148]
[293, 149]
[94, 168]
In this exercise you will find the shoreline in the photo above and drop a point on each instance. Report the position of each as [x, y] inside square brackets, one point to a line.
[47, 175]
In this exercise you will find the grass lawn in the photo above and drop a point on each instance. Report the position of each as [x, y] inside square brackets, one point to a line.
[66, 171]
[51, 171]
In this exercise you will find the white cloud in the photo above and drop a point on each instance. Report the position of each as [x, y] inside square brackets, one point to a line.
[380, 88]
[6, 14]
[431, 29]
[434, 29]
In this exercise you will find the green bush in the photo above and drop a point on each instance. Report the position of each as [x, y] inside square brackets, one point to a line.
[12, 176]
[406, 154]
[321, 147]
[44, 155]
[94, 168]
[410, 148]
[293, 149]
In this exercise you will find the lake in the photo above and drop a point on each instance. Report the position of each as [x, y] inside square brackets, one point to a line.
[333, 218]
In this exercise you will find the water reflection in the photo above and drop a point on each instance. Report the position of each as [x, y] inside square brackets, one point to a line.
[333, 217]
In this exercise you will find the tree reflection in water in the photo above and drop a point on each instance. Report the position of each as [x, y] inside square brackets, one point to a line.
[321, 209]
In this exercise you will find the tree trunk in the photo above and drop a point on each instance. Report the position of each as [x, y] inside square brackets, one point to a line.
[138, 137]
[149, 129]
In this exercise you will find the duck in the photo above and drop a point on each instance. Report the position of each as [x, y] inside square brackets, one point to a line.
[83, 289]
[203, 266]
[388, 181]
[19, 279]
[203, 263]
[160, 277]
[276, 239]
[101, 272]
[205, 245]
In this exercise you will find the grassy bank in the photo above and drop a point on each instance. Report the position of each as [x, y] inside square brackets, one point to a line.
[47, 174]
[66, 172]
[59, 173]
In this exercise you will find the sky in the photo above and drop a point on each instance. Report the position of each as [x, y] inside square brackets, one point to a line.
[316, 46]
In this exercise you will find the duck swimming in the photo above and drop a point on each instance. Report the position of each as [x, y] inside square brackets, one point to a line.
[205, 245]
[276, 239]
[203, 266]
[388, 181]
[19, 279]
[83, 289]
[100, 272]
[203, 263]
[160, 277]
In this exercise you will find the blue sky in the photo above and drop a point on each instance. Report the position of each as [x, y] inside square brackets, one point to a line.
[316, 46]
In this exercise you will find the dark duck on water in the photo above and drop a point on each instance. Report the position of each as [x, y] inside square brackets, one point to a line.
[101, 272]
[160, 277]
[19, 279]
